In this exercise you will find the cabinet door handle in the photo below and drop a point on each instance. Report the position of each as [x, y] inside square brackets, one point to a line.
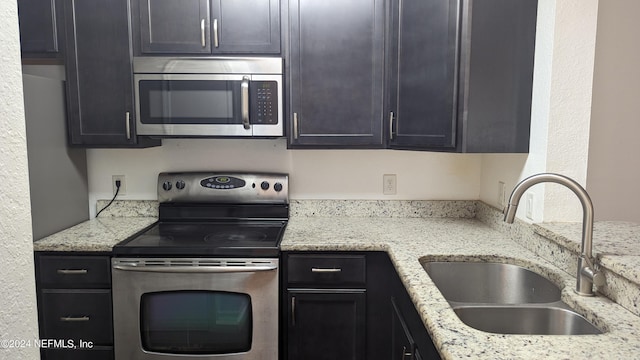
[203, 34]
[74, 318]
[127, 124]
[406, 353]
[295, 125]
[215, 33]
[245, 102]
[72, 271]
[325, 270]
[391, 125]
[293, 311]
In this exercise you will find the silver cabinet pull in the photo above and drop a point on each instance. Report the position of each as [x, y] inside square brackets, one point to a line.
[295, 125]
[72, 271]
[391, 125]
[245, 102]
[293, 311]
[406, 353]
[74, 318]
[215, 33]
[203, 34]
[325, 270]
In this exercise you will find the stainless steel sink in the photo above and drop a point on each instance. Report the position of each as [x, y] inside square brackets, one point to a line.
[526, 320]
[491, 283]
[506, 299]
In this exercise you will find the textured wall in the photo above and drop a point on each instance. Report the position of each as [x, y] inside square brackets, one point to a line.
[561, 112]
[614, 166]
[18, 319]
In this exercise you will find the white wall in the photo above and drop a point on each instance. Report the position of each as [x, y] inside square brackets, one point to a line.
[614, 148]
[18, 316]
[314, 174]
[561, 111]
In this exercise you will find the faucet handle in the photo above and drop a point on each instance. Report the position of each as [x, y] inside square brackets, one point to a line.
[594, 273]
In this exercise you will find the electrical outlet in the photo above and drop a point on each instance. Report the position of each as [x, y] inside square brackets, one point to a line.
[123, 184]
[529, 207]
[389, 184]
[501, 194]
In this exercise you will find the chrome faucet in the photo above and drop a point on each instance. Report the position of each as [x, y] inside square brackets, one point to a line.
[587, 275]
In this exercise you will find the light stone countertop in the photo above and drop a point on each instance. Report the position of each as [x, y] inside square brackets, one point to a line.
[95, 235]
[409, 232]
[410, 240]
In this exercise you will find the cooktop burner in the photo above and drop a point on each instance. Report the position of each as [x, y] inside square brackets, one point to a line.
[216, 238]
[215, 214]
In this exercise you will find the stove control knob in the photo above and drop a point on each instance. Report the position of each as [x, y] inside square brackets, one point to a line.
[166, 185]
[277, 187]
[180, 184]
[264, 185]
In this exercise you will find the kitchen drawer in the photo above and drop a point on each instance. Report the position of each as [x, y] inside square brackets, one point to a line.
[74, 272]
[77, 315]
[327, 270]
[98, 353]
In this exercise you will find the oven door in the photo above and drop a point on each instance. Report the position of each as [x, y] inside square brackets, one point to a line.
[195, 308]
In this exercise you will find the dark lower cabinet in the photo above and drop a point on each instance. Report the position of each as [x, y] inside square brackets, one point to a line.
[344, 305]
[74, 306]
[326, 325]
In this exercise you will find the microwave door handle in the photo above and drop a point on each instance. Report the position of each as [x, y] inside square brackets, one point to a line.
[244, 100]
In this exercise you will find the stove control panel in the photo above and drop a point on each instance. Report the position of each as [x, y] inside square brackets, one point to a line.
[223, 187]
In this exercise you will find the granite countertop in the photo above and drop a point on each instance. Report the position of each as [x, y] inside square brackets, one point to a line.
[411, 232]
[411, 240]
[97, 235]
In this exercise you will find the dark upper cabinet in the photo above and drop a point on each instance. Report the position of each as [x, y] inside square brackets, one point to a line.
[497, 56]
[336, 73]
[423, 65]
[99, 74]
[39, 22]
[208, 26]
[248, 26]
[461, 75]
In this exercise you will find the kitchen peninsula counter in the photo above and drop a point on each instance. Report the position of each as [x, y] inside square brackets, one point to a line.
[415, 231]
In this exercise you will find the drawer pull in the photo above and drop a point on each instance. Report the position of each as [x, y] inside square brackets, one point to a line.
[72, 271]
[325, 270]
[74, 318]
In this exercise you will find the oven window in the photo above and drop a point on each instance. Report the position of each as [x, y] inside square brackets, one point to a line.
[189, 102]
[195, 322]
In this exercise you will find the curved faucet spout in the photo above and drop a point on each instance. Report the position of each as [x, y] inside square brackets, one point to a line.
[587, 274]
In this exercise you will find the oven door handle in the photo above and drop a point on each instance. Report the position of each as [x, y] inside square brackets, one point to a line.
[196, 269]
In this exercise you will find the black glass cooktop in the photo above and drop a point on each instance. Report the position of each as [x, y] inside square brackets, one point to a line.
[220, 238]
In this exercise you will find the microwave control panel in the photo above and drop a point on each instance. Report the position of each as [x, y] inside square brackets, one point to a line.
[264, 104]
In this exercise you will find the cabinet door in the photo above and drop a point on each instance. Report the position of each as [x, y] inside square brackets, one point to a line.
[38, 26]
[336, 73]
[248, 26]
[175, 26]
[423, 74]
[326, 325]
[99, 73]
[402, 345]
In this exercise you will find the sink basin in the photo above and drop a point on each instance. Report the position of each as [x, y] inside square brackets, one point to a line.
[526, 320]
[505, 299]
[491, 283]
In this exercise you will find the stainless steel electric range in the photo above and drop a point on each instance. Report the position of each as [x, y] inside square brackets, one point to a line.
[203, 280]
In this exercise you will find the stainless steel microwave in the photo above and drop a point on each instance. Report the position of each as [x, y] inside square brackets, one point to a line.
[208, 97]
